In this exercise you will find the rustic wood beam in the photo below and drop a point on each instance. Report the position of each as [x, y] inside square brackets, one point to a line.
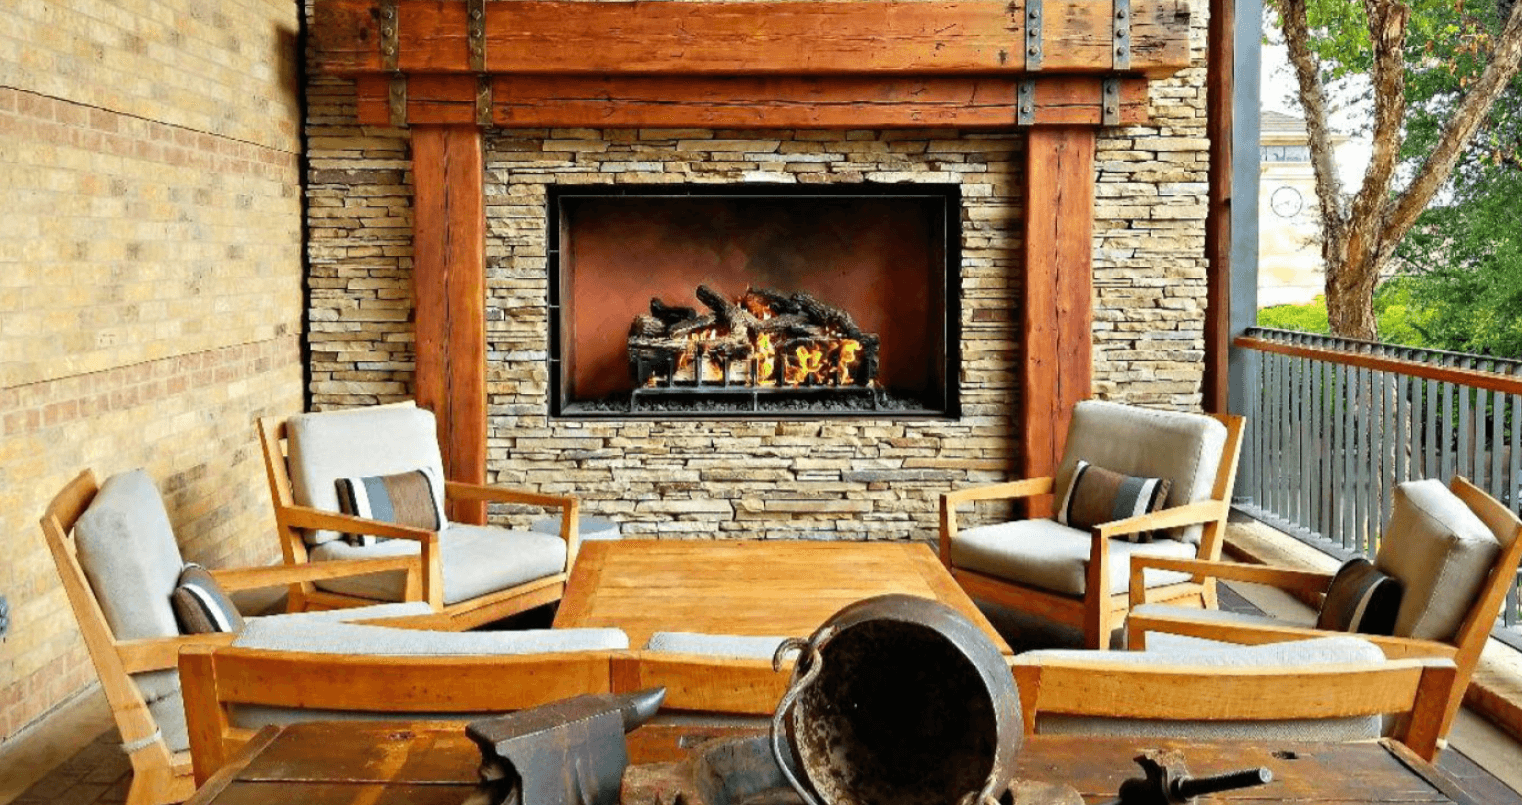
[1057, 311]
[777, 38]
[1220, 51]
[449, 298]
[847, 102]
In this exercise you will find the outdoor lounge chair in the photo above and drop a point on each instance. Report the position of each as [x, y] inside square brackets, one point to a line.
[469, 574]
[1332, 689]
[119, 562]
[1454, 549]
[1078, 576]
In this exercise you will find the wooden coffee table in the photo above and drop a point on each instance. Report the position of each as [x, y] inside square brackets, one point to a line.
[423, 763]
[746, 587]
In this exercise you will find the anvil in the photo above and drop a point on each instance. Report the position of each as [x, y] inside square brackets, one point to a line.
[571, 752]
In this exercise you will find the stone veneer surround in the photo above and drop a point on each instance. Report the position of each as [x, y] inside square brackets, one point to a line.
[828, 479]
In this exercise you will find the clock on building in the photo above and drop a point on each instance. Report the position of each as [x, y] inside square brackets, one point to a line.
[1286, 202]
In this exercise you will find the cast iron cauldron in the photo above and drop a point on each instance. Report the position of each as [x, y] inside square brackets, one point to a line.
[898, 700]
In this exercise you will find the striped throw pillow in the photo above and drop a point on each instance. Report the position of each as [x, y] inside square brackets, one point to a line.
[200, 606]
[407, 498]
[1097, 495]
[1360, 599]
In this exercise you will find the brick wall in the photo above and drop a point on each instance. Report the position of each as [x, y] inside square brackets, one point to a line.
[151, 285]
[837, 479]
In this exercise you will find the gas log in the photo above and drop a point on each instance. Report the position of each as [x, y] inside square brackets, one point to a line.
[762, 339]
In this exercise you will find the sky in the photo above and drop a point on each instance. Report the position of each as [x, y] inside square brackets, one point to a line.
[1277, 94]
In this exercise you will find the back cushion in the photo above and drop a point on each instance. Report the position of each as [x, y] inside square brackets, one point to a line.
[383, 440]
[127, 550]
[1441, 552]
[1184, 448]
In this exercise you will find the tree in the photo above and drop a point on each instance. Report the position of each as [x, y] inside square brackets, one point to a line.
[1360, 234]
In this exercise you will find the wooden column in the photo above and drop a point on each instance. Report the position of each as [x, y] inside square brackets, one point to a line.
[1057, 311]
[449, 293]
[1220, 51]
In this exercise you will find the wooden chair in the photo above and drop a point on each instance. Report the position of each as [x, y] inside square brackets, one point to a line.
[1078, 578]
[1464, 647]
[160, 772]
[1107, 695]
[306, 514]
[220, 680]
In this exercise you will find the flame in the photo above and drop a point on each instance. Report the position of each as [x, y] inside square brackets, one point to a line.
[827, 361]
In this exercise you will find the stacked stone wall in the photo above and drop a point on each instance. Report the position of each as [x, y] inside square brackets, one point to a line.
[842, 478]
[151, 285]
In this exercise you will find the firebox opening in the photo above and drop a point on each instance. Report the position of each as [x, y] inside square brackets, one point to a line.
[697, 301]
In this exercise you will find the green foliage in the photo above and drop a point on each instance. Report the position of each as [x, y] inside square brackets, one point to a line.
[1464, 265]
[1310, 318]
[1392, 309]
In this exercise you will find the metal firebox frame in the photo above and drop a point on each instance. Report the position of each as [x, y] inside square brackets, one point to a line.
[951, 321]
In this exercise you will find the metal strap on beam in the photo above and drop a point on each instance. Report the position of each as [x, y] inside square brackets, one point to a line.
[1122, 34]
[1109, 103]
[483, 101]
[475, 30]
[390, 50]
[396, 100]
[1032, 35]
[1025, 103]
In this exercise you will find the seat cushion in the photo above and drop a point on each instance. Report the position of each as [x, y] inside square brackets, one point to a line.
[127, 550]
[383, 440]
[1050, 556]
[715, 645]
[1182, 447]
[1322, 651]
[1441, 552]
[477, 560]
[319, 637]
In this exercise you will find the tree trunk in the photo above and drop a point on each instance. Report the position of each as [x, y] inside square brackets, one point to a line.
[1359, 238]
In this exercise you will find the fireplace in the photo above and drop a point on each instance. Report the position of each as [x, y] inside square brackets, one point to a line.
[702, 301]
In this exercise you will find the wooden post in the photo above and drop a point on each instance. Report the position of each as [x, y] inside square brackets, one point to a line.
[1219, 80]
[1057, 311]
[449, 297]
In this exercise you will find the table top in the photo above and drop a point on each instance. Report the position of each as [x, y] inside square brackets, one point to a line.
[434, 763]
[746, 587]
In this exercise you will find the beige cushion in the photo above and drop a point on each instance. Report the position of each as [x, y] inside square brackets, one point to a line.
[1182, 447]
[127, 550]
[1442, 554]
[1050, 556]
[383, 440]
[477, 560]
[1331, 650]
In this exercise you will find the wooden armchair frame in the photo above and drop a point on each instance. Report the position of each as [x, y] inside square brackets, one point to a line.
[425, 581]
[1464, 650]
[158, 775]
[1097, 612]
[217, 678]
[1417, 689]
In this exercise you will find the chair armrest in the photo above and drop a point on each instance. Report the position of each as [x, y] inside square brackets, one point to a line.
[1307, 582]
[1029, 487]
[161, 653]
[1395, 648]
[305, 517]
[249, 578]
[1203, 511]
[502, 494]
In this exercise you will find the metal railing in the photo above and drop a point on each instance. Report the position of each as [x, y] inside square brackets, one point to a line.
[1335, 423]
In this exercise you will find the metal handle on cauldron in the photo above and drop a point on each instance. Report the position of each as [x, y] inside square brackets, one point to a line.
[809, 663]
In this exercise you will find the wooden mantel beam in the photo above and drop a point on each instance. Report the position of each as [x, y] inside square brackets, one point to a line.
[556, 37]
[848, 102]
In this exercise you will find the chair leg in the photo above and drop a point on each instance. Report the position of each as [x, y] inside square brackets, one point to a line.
[1097, 621]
